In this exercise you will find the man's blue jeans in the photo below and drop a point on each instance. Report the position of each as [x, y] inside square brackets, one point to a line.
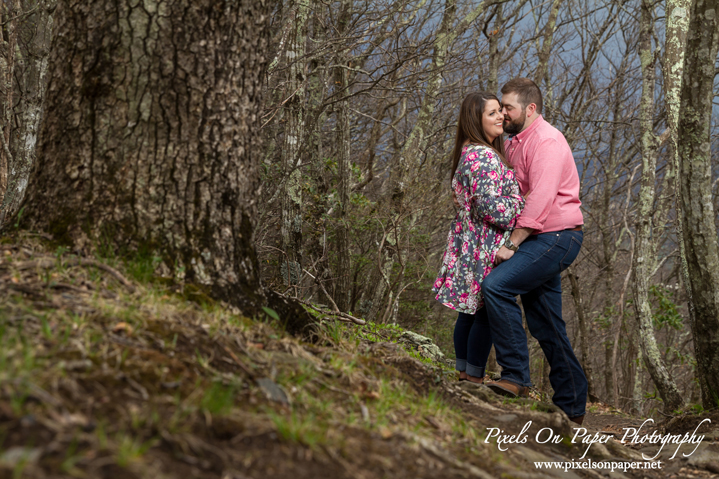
[534, 274]
[472, 342]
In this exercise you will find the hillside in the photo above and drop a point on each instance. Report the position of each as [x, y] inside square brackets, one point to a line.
[107, 371]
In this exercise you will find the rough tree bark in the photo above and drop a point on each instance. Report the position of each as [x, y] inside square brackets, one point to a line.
[697, 210]
[342, 284]
[677, 25]
[31, 66]
[294, 121]
[149, 138]
[10, 10]
[644, 256]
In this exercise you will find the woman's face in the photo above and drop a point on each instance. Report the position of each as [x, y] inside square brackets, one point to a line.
[492, 120]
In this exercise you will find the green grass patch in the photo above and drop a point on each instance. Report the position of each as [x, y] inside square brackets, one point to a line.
[130, 448]
[218, 399]
[298, 428]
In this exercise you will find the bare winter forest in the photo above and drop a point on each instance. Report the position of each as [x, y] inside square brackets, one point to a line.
[347, 113]
[359, 118]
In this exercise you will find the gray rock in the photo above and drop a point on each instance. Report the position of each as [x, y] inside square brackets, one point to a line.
[16, 455]
[506, 418]
[706, 456]
[272, 391]
[75, 365]
[384, 349]
[703, 451]
[532, 456]
[651, 451]
[423, 345]
[480, 391]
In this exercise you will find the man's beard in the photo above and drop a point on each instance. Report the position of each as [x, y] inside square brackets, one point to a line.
[515, 126]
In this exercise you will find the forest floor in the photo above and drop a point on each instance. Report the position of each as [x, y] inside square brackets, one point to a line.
[107, 371]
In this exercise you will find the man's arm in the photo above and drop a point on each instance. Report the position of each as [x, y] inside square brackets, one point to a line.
[517, 237]
[544, 176]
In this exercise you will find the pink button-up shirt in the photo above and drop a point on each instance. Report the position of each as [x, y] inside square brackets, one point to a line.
[544, 165]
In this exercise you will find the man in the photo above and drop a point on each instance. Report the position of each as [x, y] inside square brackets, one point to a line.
[546, 241]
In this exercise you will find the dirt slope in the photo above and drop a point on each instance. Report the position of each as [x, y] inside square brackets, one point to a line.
[106, 372]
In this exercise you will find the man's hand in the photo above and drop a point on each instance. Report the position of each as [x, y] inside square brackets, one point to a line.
[518, 236]
[503, 254]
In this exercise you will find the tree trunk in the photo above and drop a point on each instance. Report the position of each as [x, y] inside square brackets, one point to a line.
[149, 140]
[385, 258]
[637, 394]
[494, 53]
[294, 116]
[630, 366]
[547, 36]
[609, 250]
[583, 333]
[697, 210]
[644, 246]
[609, 374]
[416, 142]
[342, 283]
[10, 10]
[30, 84]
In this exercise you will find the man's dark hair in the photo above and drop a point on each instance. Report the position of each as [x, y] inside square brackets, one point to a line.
[527, 92]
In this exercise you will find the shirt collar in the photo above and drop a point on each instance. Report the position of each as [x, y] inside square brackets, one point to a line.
[522, 135]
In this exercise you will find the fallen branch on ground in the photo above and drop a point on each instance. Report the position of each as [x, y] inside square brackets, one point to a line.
[347, 318]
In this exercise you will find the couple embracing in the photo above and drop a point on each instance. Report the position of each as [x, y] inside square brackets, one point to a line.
[518, 226]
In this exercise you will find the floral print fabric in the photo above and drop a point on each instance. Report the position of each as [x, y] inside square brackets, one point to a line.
[490, 203]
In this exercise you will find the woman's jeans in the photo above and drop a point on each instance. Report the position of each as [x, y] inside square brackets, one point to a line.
[472, 342]
[534, 274]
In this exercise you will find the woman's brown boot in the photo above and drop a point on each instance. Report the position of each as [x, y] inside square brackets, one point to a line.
[475, 380]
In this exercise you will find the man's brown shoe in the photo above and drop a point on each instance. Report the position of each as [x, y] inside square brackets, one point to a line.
[578, 419]
[508, 388]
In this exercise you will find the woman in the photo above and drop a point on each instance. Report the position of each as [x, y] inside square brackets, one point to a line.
[489, 204]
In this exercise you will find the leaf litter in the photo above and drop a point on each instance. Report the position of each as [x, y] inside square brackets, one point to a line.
[102, 376]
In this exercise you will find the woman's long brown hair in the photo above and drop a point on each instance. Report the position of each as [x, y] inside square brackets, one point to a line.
[469, 127]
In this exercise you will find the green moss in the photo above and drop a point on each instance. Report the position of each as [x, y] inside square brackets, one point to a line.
[59, 228]
[198, 294]
[142, 266]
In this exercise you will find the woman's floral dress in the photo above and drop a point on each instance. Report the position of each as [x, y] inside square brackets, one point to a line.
[490, 203]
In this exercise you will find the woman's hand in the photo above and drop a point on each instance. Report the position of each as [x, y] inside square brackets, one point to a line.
[455, 200]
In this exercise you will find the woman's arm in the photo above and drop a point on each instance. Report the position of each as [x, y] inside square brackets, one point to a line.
[488, 205]
[501, 211]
